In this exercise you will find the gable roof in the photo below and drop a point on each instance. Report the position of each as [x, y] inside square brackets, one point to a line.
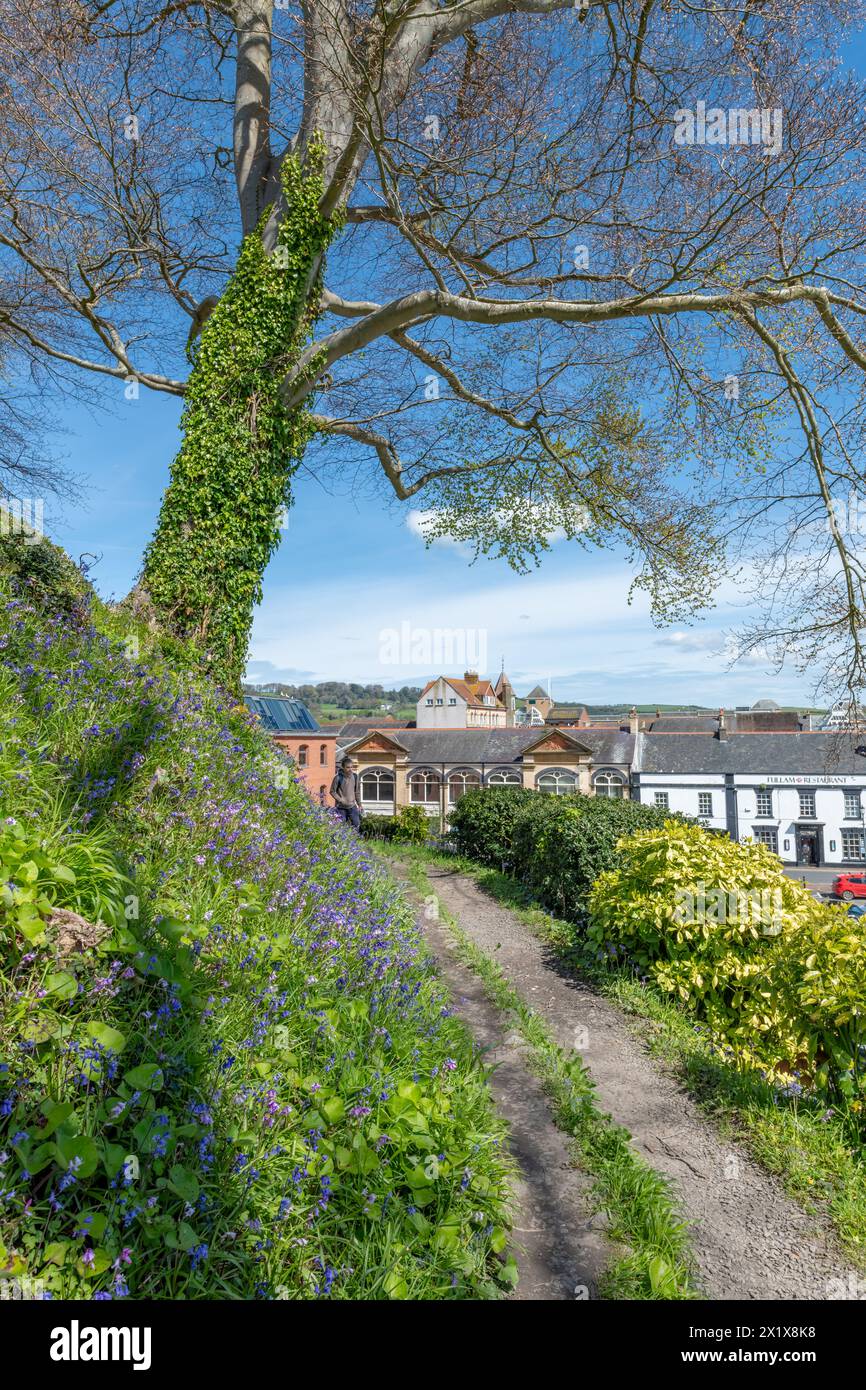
[557, 738]
[489, 746]
[472, 692]
[536, 694]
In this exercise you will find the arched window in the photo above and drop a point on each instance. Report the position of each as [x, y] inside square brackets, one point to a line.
[505, 777]
[461, 782]
[377, 784]
[557, 781]
[303, 750]
[323, 754]
[424, 786]
[609, 783]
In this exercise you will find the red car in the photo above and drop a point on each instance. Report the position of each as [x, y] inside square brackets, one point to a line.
[850, 886]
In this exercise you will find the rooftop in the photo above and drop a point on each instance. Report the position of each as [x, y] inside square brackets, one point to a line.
[280, 714]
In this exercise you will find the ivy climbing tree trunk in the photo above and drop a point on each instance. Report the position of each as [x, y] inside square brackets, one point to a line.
[231, 480]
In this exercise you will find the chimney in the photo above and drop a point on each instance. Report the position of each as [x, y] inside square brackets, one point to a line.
[633, 724]
[470, 677]
[723, 727]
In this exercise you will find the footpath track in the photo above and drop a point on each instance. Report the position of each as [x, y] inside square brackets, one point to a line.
[748, 1238]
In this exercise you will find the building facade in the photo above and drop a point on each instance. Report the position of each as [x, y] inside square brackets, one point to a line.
[801, 794]
[434, 768]
[311, 748]
[470, 703]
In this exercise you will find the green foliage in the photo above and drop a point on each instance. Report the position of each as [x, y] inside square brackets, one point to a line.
[778, 977]
[39, 873]
[608, 481]
[822, 980]
[251, 1084]
[46, 571]
[482, 823]
[556, 845]
[220, 517]
[410, 826]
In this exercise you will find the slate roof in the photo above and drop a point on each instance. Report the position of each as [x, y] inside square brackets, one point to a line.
[684, 724]
[785, 754]
[742, 722]
[280, 714]
[356, 728]
[500, 745]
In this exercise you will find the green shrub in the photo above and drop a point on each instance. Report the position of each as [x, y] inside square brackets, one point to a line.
[822, 979]
[556, 845]
[43, 569]
[410, 826]
[778, 977]
[481, 825]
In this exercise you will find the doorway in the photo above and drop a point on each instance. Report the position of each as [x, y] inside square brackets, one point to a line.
[809, 849]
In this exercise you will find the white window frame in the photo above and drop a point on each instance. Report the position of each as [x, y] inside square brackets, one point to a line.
[505, 777]
[564, 779]
[428, 775]
[468, 777]
[378, 774]
[766, 835]
[608, 778]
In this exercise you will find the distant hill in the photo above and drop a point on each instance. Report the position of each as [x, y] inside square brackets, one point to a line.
[340, 701]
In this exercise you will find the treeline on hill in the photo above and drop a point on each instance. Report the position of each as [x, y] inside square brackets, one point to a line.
[775, 978]
[343, 694]
[228, 1068]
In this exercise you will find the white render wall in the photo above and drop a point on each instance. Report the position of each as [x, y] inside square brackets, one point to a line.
[444, 716]
[829, 792]
[683, 790]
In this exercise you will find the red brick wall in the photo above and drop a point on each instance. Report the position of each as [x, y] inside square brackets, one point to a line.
[316, 773]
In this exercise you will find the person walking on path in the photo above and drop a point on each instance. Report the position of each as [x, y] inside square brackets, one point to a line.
[346, 791]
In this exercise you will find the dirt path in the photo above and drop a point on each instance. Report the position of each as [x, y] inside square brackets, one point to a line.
[560, 1246]
[749, 1239]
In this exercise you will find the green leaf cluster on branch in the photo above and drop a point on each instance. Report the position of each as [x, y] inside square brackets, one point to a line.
[231, 480]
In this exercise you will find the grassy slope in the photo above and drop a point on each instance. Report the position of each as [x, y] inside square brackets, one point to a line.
[253, 1087]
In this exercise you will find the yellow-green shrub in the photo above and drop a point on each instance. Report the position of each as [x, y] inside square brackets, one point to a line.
[778, 977]
[823, 983]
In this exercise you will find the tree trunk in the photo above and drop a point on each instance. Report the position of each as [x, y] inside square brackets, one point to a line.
[230, 483]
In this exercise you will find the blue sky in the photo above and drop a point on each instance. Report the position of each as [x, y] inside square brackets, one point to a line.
[351, 570]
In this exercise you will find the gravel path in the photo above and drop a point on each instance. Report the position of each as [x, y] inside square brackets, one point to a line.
[749, 1239]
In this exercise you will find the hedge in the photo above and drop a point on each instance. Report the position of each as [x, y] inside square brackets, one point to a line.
[556, 845]
[409, 826]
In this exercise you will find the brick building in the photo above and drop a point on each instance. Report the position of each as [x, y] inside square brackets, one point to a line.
[311, 748]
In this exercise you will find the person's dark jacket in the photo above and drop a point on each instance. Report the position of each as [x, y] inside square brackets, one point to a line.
[346, 789]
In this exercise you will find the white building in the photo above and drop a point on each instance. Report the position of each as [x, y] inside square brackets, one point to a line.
[802, 794]
[470, 703]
